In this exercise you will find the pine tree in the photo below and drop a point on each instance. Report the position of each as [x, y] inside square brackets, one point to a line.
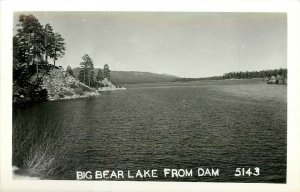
[91, 75]
[99, 76]
[58, 48]
[86, 74]
[31, 40]
[48, 41]
[106, 72]
[70, 71]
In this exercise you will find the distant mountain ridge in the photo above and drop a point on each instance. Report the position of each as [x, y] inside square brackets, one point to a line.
[131, 77]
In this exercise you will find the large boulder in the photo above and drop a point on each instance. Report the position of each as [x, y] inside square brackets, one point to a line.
[108, 84]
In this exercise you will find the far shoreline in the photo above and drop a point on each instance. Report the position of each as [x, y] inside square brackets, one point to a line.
[197, 81]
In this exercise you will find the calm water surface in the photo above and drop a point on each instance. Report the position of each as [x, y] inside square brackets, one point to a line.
[210, 124]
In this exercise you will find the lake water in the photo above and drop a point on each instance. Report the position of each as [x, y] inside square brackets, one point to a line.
[208, 124]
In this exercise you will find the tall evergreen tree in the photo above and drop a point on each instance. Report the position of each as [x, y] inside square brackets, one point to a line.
[48, 41]
[99, 76]
[31, 41]
[86, 74]
[58, 49]
[91, 75]
[106, 72]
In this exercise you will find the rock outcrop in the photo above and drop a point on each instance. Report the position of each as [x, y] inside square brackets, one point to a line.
[61, 85]
[109, 86]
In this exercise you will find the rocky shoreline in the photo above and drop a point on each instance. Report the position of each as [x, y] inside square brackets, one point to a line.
[60, 85]
[89, 95]
[94, 94]
[111, 89]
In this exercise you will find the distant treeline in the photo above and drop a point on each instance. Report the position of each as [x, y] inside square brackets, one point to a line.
[201, 78]
[242, 75]
[255, 74]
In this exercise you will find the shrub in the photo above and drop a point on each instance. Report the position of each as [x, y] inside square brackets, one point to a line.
[68, 93]
[94, 84]
[100, 84]
[61, 95]
[52, 94]
[79, 91]
[73, 86]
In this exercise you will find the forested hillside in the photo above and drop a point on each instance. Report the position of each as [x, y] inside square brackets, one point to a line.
[129, 77]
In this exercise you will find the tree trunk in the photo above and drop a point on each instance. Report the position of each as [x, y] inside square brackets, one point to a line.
[89, 78]
[84, 77]
[37, 67]
[46, 56]
[37, 70]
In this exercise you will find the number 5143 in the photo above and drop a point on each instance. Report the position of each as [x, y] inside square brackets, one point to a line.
[247, 172]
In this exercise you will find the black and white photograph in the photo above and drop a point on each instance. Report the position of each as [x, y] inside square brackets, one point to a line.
[150, 96]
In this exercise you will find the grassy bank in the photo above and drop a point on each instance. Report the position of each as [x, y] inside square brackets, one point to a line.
[38, 150]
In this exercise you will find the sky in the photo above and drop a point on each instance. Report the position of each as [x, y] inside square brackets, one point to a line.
[185, 44]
